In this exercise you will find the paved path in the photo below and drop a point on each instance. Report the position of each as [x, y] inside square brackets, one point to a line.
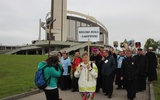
[68, 95]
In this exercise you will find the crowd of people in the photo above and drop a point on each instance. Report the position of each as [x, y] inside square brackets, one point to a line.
[88, 74]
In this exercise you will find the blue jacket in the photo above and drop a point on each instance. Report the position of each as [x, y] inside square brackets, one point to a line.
[50, 71]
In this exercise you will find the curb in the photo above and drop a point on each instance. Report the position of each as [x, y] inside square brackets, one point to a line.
[151, 92]
[15, 97]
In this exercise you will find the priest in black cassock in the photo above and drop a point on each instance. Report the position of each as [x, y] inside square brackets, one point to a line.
[152, 65]
[142, 63]
[129, 74]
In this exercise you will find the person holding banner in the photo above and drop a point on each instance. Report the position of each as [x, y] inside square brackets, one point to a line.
[87, 73]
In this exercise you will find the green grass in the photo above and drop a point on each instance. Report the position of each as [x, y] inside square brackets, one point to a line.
[17, 73]
[156, 86]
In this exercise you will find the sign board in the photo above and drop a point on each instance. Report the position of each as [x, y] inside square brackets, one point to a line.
[85, 33]
[115, 44]
[122, 45]
[131, 43]
[138, 44]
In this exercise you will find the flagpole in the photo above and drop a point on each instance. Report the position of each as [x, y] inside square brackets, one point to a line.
[88, 58]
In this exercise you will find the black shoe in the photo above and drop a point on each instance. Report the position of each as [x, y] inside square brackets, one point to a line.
[140, 90]
[73, 90]
[123, 88]
[97, 91]
[109, 96]
[118, 88]
[130, 98]
[103, 91]
[106, 94]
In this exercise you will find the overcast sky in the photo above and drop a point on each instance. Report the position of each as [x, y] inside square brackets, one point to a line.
[124, 19]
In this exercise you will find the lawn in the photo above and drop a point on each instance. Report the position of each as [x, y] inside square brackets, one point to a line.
[17, 73]
[156, 86]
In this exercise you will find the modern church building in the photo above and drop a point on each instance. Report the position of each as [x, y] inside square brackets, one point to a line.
[61, 29]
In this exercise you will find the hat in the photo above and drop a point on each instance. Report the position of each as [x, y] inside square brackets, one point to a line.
[139, 49]
[94, 50]
[150, 48]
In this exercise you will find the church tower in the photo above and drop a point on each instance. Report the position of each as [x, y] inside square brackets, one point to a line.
[59, 14]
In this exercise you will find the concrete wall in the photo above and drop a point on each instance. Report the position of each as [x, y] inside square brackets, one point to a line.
[60, 14]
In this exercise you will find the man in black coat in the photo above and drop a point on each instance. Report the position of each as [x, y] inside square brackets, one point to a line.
[108, 67]
[96, 58]
[143, 70]
[129, 74]
[114, 55]
[152, 65]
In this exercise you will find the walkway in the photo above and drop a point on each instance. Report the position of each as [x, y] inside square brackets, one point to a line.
[68, 95]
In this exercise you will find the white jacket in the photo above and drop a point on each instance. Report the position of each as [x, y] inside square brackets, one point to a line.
[84, 85]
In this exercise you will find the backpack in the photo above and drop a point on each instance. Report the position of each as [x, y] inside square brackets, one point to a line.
[39, 79]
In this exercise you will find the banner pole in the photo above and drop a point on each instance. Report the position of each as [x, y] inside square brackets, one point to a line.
[88, 58]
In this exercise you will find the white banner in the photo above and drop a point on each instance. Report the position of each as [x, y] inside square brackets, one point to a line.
[85, 33]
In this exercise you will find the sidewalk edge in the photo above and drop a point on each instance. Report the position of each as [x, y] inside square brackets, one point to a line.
[151, 92]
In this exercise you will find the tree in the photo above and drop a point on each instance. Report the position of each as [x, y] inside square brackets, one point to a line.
[158, 43]
[151, 43]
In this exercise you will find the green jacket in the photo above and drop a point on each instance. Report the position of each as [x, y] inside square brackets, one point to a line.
[50, 71]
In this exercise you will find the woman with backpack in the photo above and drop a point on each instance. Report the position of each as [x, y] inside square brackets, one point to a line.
[51, 72]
